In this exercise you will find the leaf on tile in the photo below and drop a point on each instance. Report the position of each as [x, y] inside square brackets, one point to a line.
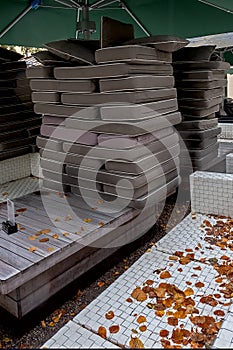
[189, 291]
[165, 274]
[141, 319]
[219, 313]
[164, 333]
[102, 332]
[172, 321]
[114, 329]
[143, 328]
[109, 315]
[199, 284]
[138, 294]
[136, 343]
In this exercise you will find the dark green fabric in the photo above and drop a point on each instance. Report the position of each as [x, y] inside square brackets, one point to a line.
[185, 18]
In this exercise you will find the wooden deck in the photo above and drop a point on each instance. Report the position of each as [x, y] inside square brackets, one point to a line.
[59, 239]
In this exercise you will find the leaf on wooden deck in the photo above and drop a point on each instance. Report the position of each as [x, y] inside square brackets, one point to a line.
[68, 217]
[87, 220]
[43, 240]
[5, 194]
[50, 249]
[55, 236]
[21, 210]
[65, 234]
[32, 249]
[100, 224]
[32, 238]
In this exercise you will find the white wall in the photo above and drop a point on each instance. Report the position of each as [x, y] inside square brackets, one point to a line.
[230, 85]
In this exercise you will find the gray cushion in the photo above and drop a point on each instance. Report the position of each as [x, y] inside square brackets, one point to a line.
[48, 143]
[198, 145]
[200, 134]
[69, 135]
[67, 111]
[63, 86]
[47, 119]
[79, 51]
[200, 153]
[111, 70]
[25, 123]
[133, 128]
[9, 55]
[199, 113]
[136, 82]
[168, 43]
[200, 53]
[197, 124]
[139, 111]
[199, 94]
[200, 75]
[45, 97]
[35, 72]
[202, 84]
[113, 32]
[115, 97]
[47, 58]
[16, 152]
[202, 65]
[199, 104]
[133, 54]
[8, 66]
[17, 143]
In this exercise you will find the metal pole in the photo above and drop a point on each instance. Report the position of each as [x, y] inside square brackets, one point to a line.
[216, 6]
[85, 18]
[16, 20]
[97, 3]
[78, 19]
[64, 3]
[107, 3]
[125, 7]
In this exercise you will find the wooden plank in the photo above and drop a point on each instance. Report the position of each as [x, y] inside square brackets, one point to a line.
[19, 250]
[10, 305]
[6, 272]
[14, 260]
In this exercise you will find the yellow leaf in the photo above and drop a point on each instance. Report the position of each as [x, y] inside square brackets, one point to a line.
[87, 220]
[32, 249]
[50, 249]
[136, 343]
[65, 234]
[4, 193]
[32, 238]
[45, 231]
[102, 332]
[6, 340]
[100, 284]
[51, 324]
[43, 324]
[55, 236]
[101, 224]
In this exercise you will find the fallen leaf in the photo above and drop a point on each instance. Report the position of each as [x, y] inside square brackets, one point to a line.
[102, 332]
[51, 324]
[32, 249]
[45, 231]
[219, 313]
[109, 315]
[21, 210]
[32, 238]
[199, 284]
[65, 234]
[55, 236]
[164, 333]
[87, 220]
[165, 274]
[141, 319]
[114, 329]
[43, 240]
[134, 331]
[159, 313]
[43, 324]
[172, 321]
[68, 217]
[138, 294]
[188, 283]
[136, 343]
[143, 328]
[189, 291]
[100, 284]
[101, 224]
[50, 249]
[149, 282]
[184, 260]
[129, 300]
[199, 268]
[173, 257]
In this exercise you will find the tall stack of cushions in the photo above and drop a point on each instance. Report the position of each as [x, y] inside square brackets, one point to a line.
[19, 125]
[200, 85]
[108, 127]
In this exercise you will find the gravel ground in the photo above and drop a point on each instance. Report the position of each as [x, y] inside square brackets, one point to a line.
[41, 324]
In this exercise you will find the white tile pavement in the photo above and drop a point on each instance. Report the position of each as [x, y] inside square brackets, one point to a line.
[188, 234]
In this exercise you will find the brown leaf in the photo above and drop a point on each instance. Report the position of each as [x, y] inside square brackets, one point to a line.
[55, 236]
[165, 274]
[172, 321]
[136, 343]
[87, 220]
[32, 238]
[173, 257]
[143, 328]
[164, 333]
[224, 257]
[199, 268]
[138, 294]
[199, 284]
[4, 193]
[188, 283]
[141, 319]
[32, 249]
[43, 240]
[184, 260]
[129, 300]
[21, 210]
[51, 324]
[159, 313]
[102, 332]
[149, 282]
[100, 224]
[109, 315]
[114, 329]
[219, 313]
[50, 249]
